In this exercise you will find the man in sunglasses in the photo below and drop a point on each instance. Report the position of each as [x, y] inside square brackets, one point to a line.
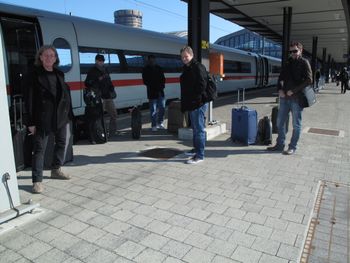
[294, 77]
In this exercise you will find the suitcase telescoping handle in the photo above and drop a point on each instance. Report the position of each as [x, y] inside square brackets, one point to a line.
[17, 100]
[239, 96]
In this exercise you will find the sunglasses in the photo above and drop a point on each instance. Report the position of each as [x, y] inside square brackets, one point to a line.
[293, 51]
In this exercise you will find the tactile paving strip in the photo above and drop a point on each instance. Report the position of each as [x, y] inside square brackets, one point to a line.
[327, 236]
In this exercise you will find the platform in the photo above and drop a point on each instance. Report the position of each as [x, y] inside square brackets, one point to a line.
[242, 204]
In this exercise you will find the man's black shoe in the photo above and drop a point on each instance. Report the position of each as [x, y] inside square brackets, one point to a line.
[275, 148]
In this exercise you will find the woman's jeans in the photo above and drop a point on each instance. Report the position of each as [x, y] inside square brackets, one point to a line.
[157, 108]
[197, 117]
[287, 105]
[39, 148]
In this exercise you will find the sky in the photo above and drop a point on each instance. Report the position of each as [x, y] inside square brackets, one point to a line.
[158, 15]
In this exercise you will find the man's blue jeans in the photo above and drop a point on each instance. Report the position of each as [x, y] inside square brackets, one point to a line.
[287, 105]
[197, 117]
[157, 108]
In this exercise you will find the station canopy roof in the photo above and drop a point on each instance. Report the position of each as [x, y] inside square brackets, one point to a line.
[326, 19]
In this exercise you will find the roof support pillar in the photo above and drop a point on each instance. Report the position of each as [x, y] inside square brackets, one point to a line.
[324, 52]
[198, 29]
[287, 24]
[328, 68]
[314, 58]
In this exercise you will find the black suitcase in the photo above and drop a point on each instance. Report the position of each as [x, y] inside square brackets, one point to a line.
[274, 115]
[19, 132]
[95, 124]
[136, 123]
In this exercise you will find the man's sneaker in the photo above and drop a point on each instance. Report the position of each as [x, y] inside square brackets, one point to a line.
[190, 152]
[161, 126]
[275, 148]
[154, 128]
[289, 151]
[58, 174]
[37, 188]
[194, 160]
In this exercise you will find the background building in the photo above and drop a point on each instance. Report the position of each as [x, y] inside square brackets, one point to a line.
[250, 41]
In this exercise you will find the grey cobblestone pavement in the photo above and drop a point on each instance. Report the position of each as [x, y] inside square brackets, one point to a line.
[242, 204]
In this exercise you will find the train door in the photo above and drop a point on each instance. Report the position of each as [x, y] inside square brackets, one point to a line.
[266, 71]
[21, 42]
[61, 34]
[259, 71]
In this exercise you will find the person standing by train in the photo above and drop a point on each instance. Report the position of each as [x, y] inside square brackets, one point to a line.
[193, 81]
[294, 77]
[49, 110]
[99, 81]
[344, 79]
[154, 79]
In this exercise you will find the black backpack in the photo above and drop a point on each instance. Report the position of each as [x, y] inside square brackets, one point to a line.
[210, 93]
[264, 136]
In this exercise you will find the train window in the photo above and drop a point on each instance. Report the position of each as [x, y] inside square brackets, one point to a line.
[135, 62]
[64, 53]
[170, 64]
[276, 69]
[237, 67]
[87, 59]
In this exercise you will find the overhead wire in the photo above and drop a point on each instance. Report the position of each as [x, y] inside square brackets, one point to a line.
[138, 2]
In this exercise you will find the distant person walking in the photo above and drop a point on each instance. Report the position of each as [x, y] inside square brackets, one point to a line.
[344, 79]
[49, 112]
[99, 81]
[193, 82]
[154, 79]
[294, 77]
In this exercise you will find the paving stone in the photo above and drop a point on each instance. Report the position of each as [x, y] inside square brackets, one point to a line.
[284, 237]
[129, 249]
[288, 252]
[261, 231]
[158, 227]
[199, 214]
[219, 232]
[255, 218]
[198, 226]
[246, 255]
[34, 250]
[241, 239]
[172, 260]
[75, 227]
[82, 249]
[217, 219]
[176, 249]
[150, 256]
[101, 255]
[198, 255]
[91, 234]
[198, 240]
[220, 259]
[116, 227]
[9, 256]
[177, 233]
[266, 246]
[221, 248]
[64, 241]
[18, 241]
[272, 259]
[239, 225]
[53, 256]
[135, 234]
[110, 241]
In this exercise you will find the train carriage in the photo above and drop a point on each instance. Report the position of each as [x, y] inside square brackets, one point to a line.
[78, 40]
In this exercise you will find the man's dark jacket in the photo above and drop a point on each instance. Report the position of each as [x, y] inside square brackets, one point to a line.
[153, 78]
[100, 82]
[193, 82]
[296, 75]
[46, 111]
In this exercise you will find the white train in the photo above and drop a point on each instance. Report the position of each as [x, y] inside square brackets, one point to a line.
[78, 40]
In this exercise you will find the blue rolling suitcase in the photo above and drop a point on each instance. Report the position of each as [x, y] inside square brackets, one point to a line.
[244, 126]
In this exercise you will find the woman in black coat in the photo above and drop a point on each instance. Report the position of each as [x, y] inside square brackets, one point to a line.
[49, 111]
